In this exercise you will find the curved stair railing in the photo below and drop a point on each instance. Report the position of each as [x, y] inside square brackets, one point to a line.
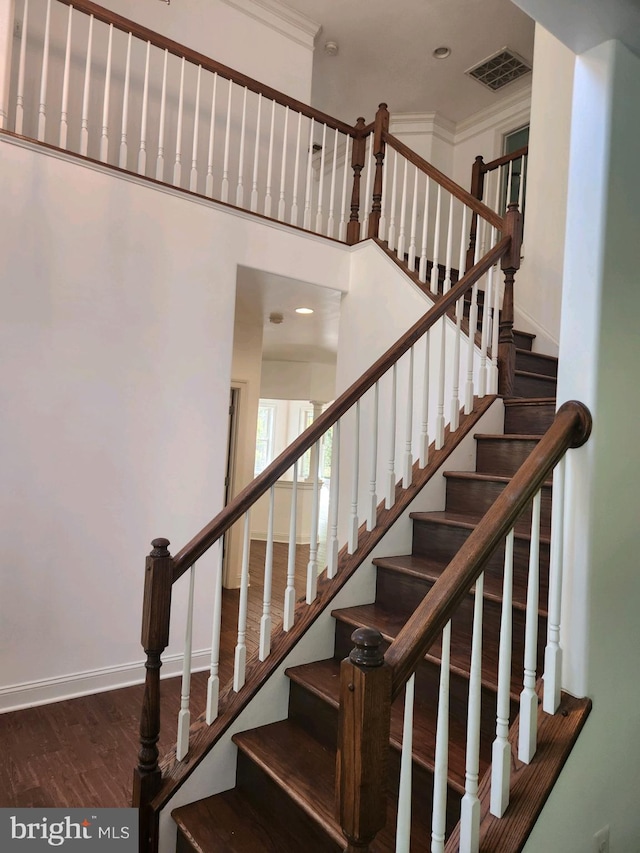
[371, 679]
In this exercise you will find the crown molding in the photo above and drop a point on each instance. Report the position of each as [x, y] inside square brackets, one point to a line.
[281, 18]
[512, 108]
[431, 123]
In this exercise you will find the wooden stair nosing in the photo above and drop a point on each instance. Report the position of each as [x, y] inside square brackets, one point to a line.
[468, 522]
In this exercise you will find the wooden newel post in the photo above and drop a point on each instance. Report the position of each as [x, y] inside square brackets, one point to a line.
[155, 638]
[477, 191]
[510, 265]
[363, 741]
[381, 126]
[357, 164]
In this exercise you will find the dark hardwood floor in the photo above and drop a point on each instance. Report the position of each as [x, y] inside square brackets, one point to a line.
[81, 752]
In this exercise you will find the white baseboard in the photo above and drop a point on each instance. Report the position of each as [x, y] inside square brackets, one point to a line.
[16, 697]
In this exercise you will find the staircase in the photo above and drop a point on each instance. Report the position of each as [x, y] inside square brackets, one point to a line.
[284, 799]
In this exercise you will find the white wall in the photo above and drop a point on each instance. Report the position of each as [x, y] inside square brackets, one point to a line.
[297, 380]
[599, 354]
[116, 364]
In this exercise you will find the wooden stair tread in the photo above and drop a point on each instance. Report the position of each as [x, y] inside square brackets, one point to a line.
[430, 570]
[469, 521]
[529, 401]
[515, 436]
[540, 355]
[482, 477]
[531, 375]
[389, 623]
[229, 821]
[323, 679]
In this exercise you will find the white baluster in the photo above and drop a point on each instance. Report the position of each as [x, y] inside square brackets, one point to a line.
[553, 651]
[407, 476]
[104, 135]
[240, 661]
[449, 251]
[391, 240]
[212, 132]
[501, 751]
[177, 168]
[319, 216]
[373, 497]
[294, 201]
[424, 424]
[403, 823]
[411, 263]
[256, 158]
[312, 566]
[352, 542]
[84, 127]
[364, 227]
[382, 224]
[213, 683]
[486, 326]
[509, 183]
[163, 107]
[21, 69]
[290, 592]
[240, 189]
[470, 805]
[342, 230]
[184, 717]
[267, 197]
[495, 328]
[403, 213]
[523, 168]
[455, 398]
[332, 190]
[528, 720]
[142, 153]
[42, 107]
[441, 762]
[441, 378]
[265, 621]
[193, 177]
[436, 243]
[334, 501]
[473, 324]
[306, 222]
[390, 496]
[422, 269]
[64, 109]
[224, 189]
[122, 161]
[283, 167]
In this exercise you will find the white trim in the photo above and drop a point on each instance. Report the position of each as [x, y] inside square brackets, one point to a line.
[503, 115]
[16, 697]
[409, 124]
[281, 18]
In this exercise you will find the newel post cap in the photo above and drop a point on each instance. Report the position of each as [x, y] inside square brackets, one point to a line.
[367, 651]
[160, 548]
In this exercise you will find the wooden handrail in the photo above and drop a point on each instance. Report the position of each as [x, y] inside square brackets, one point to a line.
[128, 26]
[247, 497]
[571, 428]
[446, 183]
[506, 158]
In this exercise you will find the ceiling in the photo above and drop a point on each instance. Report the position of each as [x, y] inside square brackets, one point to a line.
[384, 54]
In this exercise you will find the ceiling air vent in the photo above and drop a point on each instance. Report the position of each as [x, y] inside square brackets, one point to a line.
[501, 68]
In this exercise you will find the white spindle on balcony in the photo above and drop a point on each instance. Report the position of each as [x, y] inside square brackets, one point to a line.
[21, 69]
[422, 270]
[224, 188]
[319, 216]
[441, 383]
[312, 566]
[441, 762]
[104, 135]
[296, 174]
[42, 107]
[86, 92]
[243, 128]
[424, 423]
[391, 239]
[212, 133]
[403, 213]
[334, 504]
[471, 343]
[411, 263]
[332, 189]
[142, 153]
[265, 619]
[352, 540]
[373, 497]
[161, 123]
[470, 805]
[122, 160]
[368, 159]
[436, 242]
[283, 167]
[64, 108]
[184, 716]
[256, 158]
[268, 195]
[446, 286]
[344, 209]
[177, 167]
[390, 495]
[213, 683]
[553, 651]
[407, 473]
[193, 175]
[240, 660]
[528, 721]
[403, 823]
[290, 592]
[501, 751]
[306, 222]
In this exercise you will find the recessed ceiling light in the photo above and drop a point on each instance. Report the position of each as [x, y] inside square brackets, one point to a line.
[304, 310]
[442, 52]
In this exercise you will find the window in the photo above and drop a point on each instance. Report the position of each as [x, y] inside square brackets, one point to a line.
[264, 437]
[516, 175]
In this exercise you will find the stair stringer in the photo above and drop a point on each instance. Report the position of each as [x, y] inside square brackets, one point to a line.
[217, 771]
